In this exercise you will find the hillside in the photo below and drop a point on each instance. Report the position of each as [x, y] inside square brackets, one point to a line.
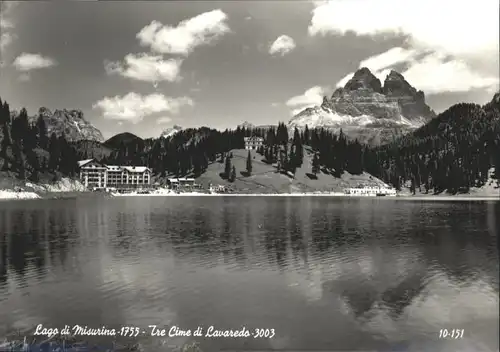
[266, 179]
[454, 152]
[91, 150]
[120, 139]
[29, 153]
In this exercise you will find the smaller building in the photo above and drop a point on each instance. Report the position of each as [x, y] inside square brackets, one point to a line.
[217, 188]
[371, 191]
[182, 182]
[254, 142]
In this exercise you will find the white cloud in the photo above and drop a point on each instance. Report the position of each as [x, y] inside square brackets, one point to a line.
[200, 30]
[6, 23]
[455, 27]
[311, 97]
[282, 45]
[5, 40]
[433, 73]
[134, 107]
[469, 34]
[389, 58]
[146, 67]
[163, 120]
[27, 62]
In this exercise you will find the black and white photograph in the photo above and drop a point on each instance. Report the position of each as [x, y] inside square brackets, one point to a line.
[264, 175]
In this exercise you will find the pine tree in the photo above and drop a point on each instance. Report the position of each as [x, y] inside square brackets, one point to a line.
[54, 153]
[232, 176]
[306, 135]
[315, 164]
[42, 133]
[227, 167]
[6, 140]
[249, 163]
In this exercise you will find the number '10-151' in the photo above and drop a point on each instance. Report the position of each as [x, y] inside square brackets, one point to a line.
[451, 334]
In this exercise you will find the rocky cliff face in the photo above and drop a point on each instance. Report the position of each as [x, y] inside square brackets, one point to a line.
[71, 123]
[365, 109]
[170, 131]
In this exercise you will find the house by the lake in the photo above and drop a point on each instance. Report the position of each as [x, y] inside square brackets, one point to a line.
[94, 174]
[254, 142]
[181, 182]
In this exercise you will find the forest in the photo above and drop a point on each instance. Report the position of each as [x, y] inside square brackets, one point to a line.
[28, 150]
[453, 152]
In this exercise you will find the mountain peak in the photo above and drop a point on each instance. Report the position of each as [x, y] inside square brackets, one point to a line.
[246, 124]
[71, 123]
[364, 107]
[169, 132]
[364, 78]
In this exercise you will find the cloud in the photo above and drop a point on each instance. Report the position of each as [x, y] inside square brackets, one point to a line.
[163, 120]
[311, 97]
[5, 40]
[146, 67]
[133, 107]
[27, 62]
[203, 29]
[282, 45]
[460, 39]
[389, 58]
[6, 24]
[432, 73]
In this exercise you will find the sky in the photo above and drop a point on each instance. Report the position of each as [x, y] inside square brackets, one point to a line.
[144, 66]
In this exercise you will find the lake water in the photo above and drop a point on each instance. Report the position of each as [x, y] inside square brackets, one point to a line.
[324, 273]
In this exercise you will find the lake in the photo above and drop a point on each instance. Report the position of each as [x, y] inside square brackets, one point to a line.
[319, 273]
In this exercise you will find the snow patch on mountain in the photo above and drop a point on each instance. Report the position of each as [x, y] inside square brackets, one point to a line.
[322, 117]
[169, 132]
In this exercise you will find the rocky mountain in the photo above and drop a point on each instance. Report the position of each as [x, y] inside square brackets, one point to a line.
[367, 110]
[70, 122]
[170, 131]
[246, 125]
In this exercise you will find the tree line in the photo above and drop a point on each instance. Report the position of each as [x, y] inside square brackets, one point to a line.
[453, 152]
[27, 149]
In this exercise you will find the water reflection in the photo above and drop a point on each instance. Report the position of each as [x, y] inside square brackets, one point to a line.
[369, 270]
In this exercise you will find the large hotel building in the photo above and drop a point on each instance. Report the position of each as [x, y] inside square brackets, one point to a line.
[97, 175]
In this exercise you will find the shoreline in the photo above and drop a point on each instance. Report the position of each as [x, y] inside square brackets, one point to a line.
[8, 195]
[313, 194]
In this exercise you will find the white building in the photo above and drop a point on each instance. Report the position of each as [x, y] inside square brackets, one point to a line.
[370, 191]
[253, 142]
[181, 182]
[96, 175]
[92, 173]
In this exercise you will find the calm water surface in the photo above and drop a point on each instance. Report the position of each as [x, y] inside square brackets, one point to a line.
[325, 274]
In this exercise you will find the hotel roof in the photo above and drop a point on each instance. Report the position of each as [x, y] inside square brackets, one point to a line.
[83, 162]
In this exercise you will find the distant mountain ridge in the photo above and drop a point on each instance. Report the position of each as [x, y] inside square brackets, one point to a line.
[121, 139]
[364, 108]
